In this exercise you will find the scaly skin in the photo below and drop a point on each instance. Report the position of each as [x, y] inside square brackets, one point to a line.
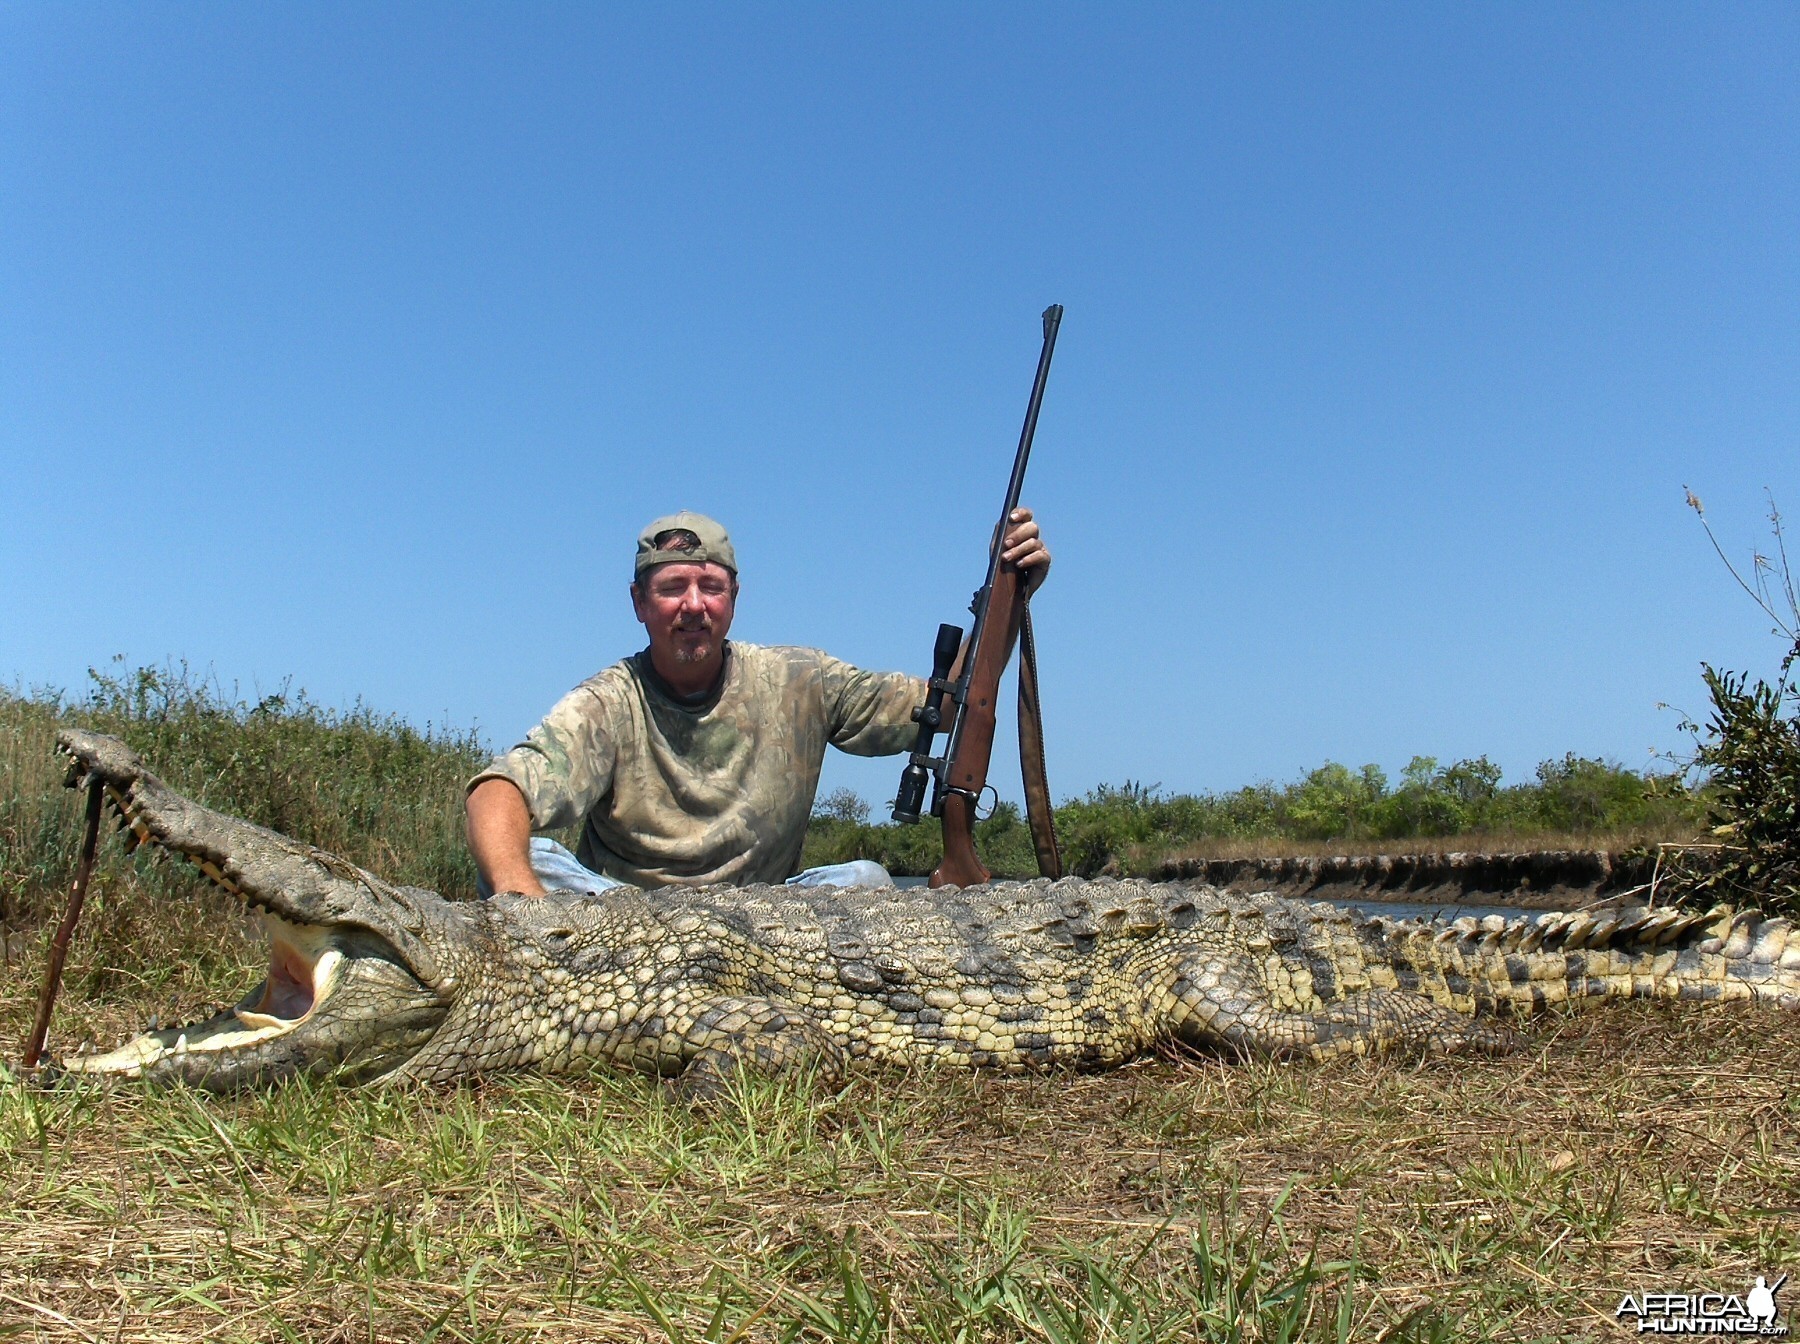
[370, 980]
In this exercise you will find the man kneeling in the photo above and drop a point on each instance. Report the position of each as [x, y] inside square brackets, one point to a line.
[696, 760]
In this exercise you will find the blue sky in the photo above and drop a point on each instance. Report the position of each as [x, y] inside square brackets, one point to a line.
[351, 345]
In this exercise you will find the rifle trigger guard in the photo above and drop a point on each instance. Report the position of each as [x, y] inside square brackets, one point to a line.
[976, 806]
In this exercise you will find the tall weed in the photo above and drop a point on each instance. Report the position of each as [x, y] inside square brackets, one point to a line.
[357, 782]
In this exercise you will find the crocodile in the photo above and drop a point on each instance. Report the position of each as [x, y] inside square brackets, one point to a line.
[371, 980]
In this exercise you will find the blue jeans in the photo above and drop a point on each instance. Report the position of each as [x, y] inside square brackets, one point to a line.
[560, 870]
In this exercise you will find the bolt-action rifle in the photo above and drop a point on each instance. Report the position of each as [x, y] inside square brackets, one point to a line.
[1001, 620]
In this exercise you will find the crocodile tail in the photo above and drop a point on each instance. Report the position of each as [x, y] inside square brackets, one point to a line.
[1708, 955]
[1759, 956]
[1671, 953]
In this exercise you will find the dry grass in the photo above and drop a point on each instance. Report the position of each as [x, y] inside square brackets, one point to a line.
[1633, 1147]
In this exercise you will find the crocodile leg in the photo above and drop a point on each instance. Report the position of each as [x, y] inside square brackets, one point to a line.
[760, 1035]
[1218, 1005]
[1377, 1020]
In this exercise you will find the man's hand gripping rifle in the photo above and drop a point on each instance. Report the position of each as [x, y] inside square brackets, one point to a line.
[960, 774]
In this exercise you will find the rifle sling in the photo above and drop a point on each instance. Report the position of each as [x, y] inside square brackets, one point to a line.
[1031, 754]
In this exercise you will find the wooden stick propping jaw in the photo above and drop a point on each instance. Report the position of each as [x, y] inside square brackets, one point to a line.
[59, 948]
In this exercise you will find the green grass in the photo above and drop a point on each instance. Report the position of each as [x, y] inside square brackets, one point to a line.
[387, 796]
[361, 784]
[1468, 1200]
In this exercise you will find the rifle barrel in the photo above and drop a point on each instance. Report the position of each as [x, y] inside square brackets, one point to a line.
[1052, 320]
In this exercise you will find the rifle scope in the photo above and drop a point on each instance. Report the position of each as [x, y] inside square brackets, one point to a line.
[930, 718]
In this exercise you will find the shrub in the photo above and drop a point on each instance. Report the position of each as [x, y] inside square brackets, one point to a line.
[1582, 794]
[1131, 829]
[1752, 754]
[1751, 751]
[1332, 802]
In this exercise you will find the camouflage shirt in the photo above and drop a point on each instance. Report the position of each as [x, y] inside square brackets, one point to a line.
[716, 791]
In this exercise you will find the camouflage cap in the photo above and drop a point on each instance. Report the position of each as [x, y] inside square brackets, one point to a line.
[714, 547]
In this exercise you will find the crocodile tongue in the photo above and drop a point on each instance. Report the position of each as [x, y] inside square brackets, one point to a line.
[302, 970]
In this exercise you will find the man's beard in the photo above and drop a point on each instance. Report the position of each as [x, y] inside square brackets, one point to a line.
[686, 654]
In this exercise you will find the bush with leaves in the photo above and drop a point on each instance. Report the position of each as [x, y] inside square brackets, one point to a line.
[1753, 756]
[1132, 829]
[1751, 751]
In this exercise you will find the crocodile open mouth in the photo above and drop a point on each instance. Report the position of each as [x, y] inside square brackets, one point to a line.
[305, 967]
[336, 995]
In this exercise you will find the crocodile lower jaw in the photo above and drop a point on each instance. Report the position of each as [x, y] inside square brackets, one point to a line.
[304, 970]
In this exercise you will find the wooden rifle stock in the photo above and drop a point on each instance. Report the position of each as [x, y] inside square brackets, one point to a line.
[966, 768]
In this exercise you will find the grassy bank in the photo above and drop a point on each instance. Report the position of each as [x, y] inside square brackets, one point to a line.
[1135, 829]
[1638, 1147]
[388, 796]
